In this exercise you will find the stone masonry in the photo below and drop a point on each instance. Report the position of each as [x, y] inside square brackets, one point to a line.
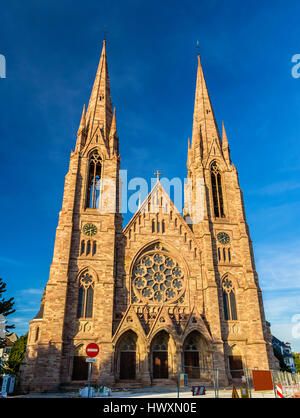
[156, 290]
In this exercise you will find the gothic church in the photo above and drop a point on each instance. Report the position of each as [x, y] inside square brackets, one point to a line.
[162, 295]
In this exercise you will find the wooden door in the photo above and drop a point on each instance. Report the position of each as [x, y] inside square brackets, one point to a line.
[127, 365]
[80, 368]
[191, 363]
[160, 365]
[236, 366]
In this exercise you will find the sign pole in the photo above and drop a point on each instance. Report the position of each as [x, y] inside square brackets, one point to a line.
[90, 373]
[92, 351]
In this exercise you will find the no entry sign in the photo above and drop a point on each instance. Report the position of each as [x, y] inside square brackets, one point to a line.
[92, 350]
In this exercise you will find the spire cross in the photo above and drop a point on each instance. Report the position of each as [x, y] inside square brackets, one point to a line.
[157, 174]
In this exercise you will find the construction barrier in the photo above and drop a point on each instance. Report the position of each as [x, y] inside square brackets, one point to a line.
[279, 391]
[198, 390]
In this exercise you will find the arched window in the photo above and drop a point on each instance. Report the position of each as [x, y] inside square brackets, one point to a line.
[229, 301]
[37, 333]
[85, 296]
[94, 181]
[217, 191]
[88, 247]
[82, 248]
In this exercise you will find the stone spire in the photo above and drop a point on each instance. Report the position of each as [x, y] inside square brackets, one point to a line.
[82, 124]
[99, 111]
[225, 146]
[205, 129]
[113, 136]
[81, 133]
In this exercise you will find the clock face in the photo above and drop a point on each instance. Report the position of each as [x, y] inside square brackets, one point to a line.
[89, 229]
[223, 238]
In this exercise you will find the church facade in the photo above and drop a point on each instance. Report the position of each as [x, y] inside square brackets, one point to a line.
[163, 295]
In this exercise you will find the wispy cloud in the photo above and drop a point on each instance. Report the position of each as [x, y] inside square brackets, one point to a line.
[11, 261]
[32, 291]
[279, 266]
[283, 306]
[280, 310]
[276, 188]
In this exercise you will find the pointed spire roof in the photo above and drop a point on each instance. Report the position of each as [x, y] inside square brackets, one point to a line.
[224, 136]
[99, 111]
[82, 124]
[204, 122]
[113, 135]
[113, 128]
[225, 145]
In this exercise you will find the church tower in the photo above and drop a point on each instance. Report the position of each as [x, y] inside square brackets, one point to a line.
[83, 265]
[215, 212]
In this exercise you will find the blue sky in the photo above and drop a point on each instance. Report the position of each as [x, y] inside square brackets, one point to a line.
[52, 50]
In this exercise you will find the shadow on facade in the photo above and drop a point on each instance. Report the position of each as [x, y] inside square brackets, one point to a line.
[41, 372]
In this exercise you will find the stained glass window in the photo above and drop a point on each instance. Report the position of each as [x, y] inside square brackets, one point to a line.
[157, 277]
[85, 296]
[229, 300]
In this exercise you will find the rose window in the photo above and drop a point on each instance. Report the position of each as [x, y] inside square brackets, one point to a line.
[157, 278]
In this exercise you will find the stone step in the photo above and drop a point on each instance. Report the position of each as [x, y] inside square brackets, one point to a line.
[164, 382]
[127, 384]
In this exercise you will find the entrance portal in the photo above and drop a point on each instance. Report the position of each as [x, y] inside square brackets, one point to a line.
[160, 365]
[160, 356]
[236, 366]
[127, 356]
[191, 364]
[127, 365]
[195, 356]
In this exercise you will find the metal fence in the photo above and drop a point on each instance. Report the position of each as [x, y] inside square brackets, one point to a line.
[290, 382]
[213, 379]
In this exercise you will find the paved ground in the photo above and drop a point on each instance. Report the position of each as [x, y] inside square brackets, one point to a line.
[154, 392]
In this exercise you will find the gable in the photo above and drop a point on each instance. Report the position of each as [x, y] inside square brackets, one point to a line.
[158, 218]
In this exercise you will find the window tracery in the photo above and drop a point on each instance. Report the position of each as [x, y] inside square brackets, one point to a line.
[94, 181]
[157, 277]
[229, 300]
[85, 295]
[217, 193]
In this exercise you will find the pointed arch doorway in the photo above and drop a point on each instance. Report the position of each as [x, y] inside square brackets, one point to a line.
[196, 357]
[160, 345]
[127, 356]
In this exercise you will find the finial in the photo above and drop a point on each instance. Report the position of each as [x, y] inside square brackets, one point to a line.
[198, 50]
